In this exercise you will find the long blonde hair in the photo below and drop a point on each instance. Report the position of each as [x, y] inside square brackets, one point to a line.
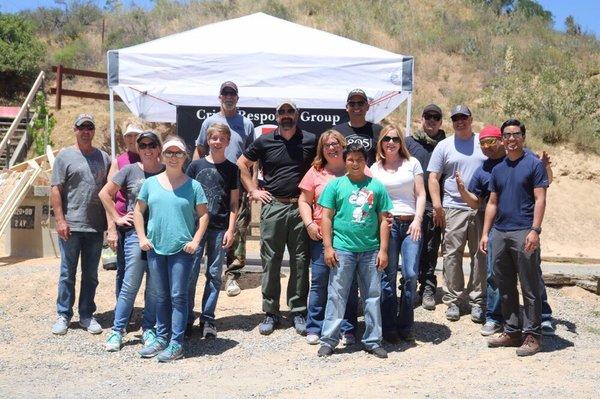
[319, 162]
[402, 151]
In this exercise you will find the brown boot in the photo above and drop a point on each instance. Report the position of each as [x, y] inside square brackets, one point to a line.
[531, 346]
[505, 339]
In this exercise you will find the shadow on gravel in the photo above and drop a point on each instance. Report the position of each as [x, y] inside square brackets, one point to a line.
[555, 343]
[248, 281]
[241, 322]
[196, 347]
[434, 333]
[571, 327]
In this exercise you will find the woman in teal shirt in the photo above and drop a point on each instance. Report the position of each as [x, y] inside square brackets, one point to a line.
[173, 201]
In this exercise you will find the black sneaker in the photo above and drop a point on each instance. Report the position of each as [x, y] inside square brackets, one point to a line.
[407, 335]
[325, 351]
[428, 299]
[267, 326]
[378, 352]
[300, 324]
[391, 336]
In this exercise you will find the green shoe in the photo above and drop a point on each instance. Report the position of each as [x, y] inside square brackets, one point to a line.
[148, 337]
[153, 349]
[114, 342]
[173, 352]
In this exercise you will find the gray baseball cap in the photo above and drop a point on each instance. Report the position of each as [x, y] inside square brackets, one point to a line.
[432, 108]
[82, 118]
[460, 110]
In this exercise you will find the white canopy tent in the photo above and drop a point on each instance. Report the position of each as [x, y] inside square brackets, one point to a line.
[268, 58]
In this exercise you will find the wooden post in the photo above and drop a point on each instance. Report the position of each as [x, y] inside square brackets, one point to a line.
[102, 38]
[59, 74]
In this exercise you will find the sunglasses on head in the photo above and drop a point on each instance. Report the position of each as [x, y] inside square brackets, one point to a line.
[356, 103]
[386, 139]
[176, 154]
[228, 93]
[86, 127]
[284, 111]
[461, 117]
[435, 117]
[152, 145]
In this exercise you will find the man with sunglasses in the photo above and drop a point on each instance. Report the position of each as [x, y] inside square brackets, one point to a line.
[242, 134]
[421, 145]
[285, 155]
[357, 129]
[78, 174]
[460, 152]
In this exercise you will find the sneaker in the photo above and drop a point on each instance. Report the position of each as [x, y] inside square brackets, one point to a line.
[153, 348]
[490, 328]
[232, 287]
[209, 331]
[91, 325]
[312, 339]
[378, 352]
[61, 326]
[325, 350]
[148, 337]
[391, 336]
[267, 326]
[531, 345]
[453, 312]
[114, 342]
[548, 328]
[477, 315]
[428, 299]
[300, 324]
[505, 340]
[172, 352]
[407, 335]
[348, 339]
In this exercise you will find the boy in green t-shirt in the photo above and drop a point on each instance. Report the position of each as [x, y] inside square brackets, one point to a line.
[356, 205]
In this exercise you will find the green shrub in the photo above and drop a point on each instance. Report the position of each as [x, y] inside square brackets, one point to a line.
[41, 129]
[77, 53]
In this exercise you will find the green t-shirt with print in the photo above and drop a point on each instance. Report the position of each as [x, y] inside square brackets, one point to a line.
[357, 206]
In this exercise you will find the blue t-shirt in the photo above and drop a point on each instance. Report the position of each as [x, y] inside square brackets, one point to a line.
[513, 182]
[171, 223]
[480, 181]
[242, 134]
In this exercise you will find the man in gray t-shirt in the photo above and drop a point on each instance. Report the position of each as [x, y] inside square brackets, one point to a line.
[78, 174]
[459, 153]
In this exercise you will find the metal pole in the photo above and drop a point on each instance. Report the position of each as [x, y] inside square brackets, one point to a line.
[409, 115]
[111, 99]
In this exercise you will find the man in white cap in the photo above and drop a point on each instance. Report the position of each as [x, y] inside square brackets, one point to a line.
[242, 134]
[285, 155]
[78, 174]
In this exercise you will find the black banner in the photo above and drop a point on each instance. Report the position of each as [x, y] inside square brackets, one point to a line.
[314, 120]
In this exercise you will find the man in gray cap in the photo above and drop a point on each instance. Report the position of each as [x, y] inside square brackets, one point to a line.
[357, 129]
[242, 134]
[285, 155]
[421, 145]
[462, 224]
[78, 174]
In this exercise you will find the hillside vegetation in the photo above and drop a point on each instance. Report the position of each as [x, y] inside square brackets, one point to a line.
[502, 58]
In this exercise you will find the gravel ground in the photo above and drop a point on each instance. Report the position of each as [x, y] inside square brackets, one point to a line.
[448, 359]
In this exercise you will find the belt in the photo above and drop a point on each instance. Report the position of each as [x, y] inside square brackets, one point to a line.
[404, 218]
[286, 200]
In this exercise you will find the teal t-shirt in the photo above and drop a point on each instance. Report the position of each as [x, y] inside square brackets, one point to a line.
[171, 221]
[356, 206]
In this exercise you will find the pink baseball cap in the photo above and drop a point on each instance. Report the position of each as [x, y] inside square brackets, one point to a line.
[490, 131]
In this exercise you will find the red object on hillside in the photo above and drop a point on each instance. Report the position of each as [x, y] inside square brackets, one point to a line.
[9, 112]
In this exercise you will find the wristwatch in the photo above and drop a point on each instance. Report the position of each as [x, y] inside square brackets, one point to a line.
[537, 229]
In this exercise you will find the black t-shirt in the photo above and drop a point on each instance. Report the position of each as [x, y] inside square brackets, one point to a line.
[422, 151]
[217, 181]
[367, 135]
[283, 162]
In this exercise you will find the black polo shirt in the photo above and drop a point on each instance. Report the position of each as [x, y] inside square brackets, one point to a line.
[367, 135]
[283, 162]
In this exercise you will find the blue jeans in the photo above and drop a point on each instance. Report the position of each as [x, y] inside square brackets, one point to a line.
[135, 267]
[89, 246]
[340, 281]
[120, 261]
[317, 296]
[170, 276]
[212, 242]
[400, 244]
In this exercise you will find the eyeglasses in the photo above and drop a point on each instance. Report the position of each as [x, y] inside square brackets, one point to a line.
[86, 127]
[332, 145]
[457, 118]
[488, 142]
[515, 135]
[284, 111]
[152, 145]
[228, 93]
[435, 117]
[386, 139]
[176, 154]
[356, 103]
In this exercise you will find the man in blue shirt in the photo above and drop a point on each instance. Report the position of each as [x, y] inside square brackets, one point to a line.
[516, 209]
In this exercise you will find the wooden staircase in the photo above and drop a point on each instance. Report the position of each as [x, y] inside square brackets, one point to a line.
[13, 150]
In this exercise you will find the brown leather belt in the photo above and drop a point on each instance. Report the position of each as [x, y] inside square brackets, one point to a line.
[404, 218]
[286, 200]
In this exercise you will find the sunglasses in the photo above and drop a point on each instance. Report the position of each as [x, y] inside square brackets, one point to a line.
[228, 93]
[488, 142]
[86, 127]
[516, 135]
[387, 139]
[459, 118]
[176, 154]
[356, 103]
[288, 111]
[143, 146]
[435, 117]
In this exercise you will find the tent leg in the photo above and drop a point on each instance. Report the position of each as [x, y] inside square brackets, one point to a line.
[409, 115]
[111, 98]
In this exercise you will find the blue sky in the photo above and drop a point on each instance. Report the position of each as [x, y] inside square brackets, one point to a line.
[586, 12]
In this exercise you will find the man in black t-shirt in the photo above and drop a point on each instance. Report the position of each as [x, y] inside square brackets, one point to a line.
[285, 155]
[358, 129]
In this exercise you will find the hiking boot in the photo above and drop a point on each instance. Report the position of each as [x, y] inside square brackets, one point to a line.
[378, 352]
[348, 339]
[505, 340]
[490, 328]
[114, 342]
[531, 345]
[407, 335]
[209, 331]
[391, 336]
[300, 324]
[325, 350]
[428, 299]
[61, 326]
[267, 326]
[172, 352]
[91, 325]
[453, 312]
[547, 328]
[232, 287]
[153, 348]
[148, 337]
[312, 339]
[477, 315]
